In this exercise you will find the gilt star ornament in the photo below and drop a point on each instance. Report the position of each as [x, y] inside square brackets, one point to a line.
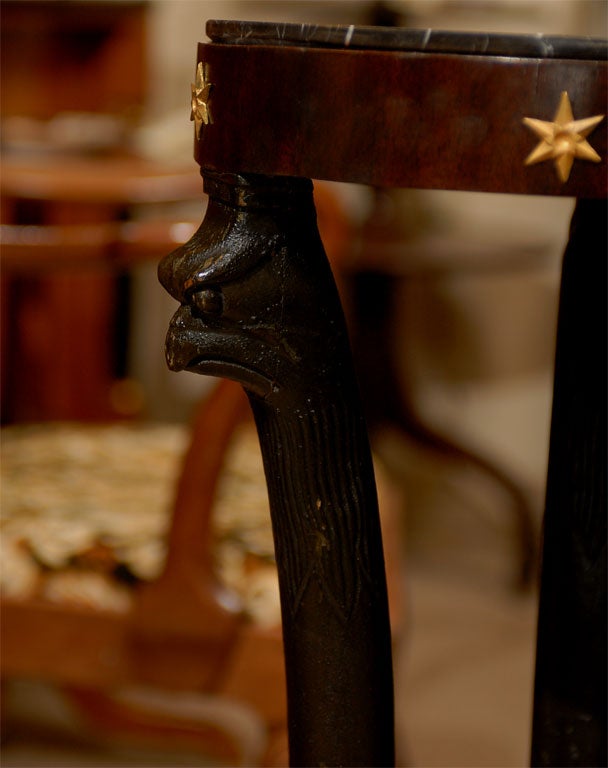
[563, 139]
[201, 93]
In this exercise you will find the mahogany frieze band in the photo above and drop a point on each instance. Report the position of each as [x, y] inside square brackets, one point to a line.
[427, 120]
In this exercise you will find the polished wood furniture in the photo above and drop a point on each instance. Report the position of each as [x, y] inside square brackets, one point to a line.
[176, 632]
[61, 56]
[72, 226]
[275, 105]
[73, 86]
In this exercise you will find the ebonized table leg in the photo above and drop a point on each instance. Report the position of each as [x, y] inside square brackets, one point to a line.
[570, 695]
[259, 305]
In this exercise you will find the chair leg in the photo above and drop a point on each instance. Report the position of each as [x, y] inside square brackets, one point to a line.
[569, 727]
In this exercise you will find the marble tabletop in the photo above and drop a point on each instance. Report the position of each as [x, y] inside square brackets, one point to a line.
[406, 39]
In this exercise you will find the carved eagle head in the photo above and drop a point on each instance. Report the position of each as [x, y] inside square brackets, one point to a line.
[255, 298]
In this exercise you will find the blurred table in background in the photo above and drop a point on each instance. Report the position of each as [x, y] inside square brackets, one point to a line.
[76, 204]
[71, 227]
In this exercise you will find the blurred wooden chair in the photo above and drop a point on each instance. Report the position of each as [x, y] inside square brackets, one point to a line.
[90, 624]
[83, 615]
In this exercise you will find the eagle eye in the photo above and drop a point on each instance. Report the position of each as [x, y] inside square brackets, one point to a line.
[207, 302]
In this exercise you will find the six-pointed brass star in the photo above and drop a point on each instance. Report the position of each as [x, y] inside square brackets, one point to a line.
[563, 139]
[201, 93]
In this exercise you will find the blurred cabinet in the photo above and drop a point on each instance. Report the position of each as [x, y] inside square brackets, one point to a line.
[73, 85]
[57, 56]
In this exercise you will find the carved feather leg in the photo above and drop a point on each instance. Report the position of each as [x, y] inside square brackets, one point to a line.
[258, 304]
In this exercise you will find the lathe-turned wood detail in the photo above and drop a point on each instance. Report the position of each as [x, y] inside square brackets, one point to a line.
[258, 304]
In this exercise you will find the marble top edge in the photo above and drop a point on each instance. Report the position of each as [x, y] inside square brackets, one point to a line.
[406, 39]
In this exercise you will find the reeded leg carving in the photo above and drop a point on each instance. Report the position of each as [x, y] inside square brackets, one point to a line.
[570, 693]
[259, 305]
